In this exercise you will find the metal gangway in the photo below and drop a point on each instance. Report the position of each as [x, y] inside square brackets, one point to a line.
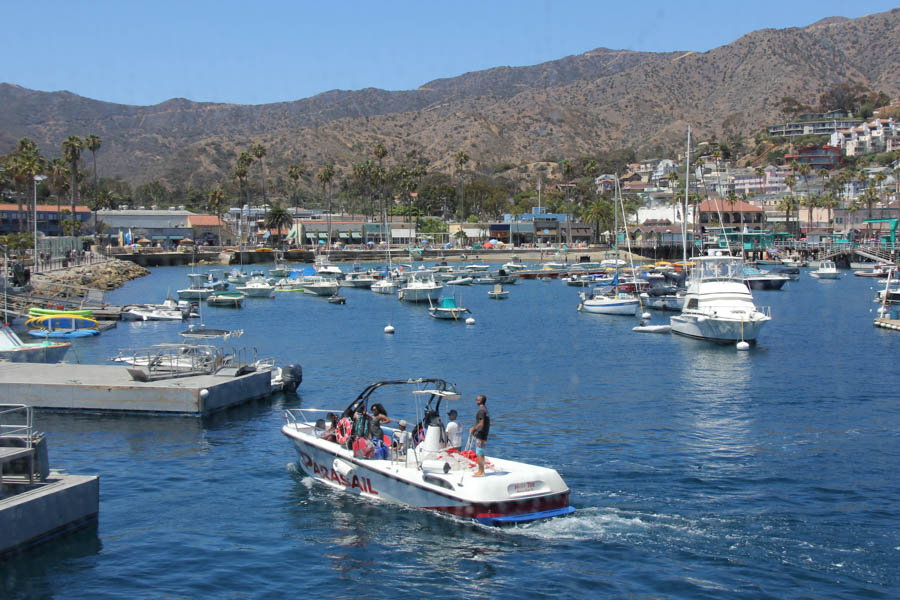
[16, 436]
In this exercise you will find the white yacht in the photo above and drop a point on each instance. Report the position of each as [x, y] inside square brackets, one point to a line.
[420, 287]
[827, 270]
[718, 304]
[318, 285]
[257, 287]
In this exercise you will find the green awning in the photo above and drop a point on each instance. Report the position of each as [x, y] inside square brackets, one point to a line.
[310, 236]
[159, 237]
[344, 235]
[322, 234]
[356, 234]
[176, 237]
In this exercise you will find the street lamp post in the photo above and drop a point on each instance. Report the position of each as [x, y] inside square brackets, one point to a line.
[37, 180]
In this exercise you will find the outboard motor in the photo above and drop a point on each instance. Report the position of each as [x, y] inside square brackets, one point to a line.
[292, 375]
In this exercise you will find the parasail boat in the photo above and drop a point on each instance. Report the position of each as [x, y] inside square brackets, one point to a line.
[420, 472]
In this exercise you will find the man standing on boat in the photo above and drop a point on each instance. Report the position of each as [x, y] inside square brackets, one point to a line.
[480, 432]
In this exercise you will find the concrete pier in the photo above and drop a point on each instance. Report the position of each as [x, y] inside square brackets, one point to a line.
[41, 511]
[109, 388]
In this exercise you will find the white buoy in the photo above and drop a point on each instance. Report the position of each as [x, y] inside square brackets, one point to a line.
[646, 315]
[742, 345]
[389, 329]
[470, 321]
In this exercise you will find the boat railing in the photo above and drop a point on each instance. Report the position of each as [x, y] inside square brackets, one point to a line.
[17, 421]
[16, 436]
[174, 358]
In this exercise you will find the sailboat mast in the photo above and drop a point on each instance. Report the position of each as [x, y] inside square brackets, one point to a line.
[687, 179]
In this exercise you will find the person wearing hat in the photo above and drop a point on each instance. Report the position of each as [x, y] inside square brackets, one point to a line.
[454, 434]
[401, 437]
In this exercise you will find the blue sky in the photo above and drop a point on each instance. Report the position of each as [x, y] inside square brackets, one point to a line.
[249, 52]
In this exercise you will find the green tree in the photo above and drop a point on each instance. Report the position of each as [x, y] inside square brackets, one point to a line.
[325, 177]
[460, 159]
[59, 183]
[295, 174]
[599, 214]
[259, 152]
[93, 143]
[787, 202]
[279, 218]
[26, 164]
[72, 146]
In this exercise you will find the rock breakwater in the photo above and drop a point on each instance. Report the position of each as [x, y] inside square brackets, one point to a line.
[107, 275]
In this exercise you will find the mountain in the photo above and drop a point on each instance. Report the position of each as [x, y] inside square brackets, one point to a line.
[600, 100]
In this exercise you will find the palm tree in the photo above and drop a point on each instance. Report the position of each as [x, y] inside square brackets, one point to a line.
[26, 164]
[597, 213]
[325, 176]
[279, 218]
[59, 183]
[460, 160]
[216, 199]
[259, 151]
[93, 143]
[72, 146]
[295, 174]
[787, 202]
[379, 152]
[879, 179]
[760, 174]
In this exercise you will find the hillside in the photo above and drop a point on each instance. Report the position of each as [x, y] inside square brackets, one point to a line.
[602, 99]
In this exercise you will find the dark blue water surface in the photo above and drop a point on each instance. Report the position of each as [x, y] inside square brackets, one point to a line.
[698, 471]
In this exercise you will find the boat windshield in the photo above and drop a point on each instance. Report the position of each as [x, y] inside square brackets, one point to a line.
[719, 267]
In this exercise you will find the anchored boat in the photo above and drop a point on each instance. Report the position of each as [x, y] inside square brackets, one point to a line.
[417, 470]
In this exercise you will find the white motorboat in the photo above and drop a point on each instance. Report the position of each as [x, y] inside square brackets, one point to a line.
[198, 289]
[477, 267]
[718, 305]
[448, 308]
[318, 285]
[420, 287]
[420, 473]
[664, 298]
[357, 280]
[460, 281]
[609, 302]
[757, 279]
[257, 287]
[237, 277]
[485, 279]
[151, 313]
[325, 268]
[13, 349]
[176, 358]
[880, 270]
[515, 264]
[827, 270]
[226, 299]
[384, 286]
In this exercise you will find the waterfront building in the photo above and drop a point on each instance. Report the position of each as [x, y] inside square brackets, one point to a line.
[48, 218]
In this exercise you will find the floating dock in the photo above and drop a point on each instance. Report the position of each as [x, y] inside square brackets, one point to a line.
[37, 504]
[110, 389]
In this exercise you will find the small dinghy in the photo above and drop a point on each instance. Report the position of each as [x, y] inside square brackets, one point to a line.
[652, 328]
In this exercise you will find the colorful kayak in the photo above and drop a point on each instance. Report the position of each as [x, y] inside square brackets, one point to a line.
[36, 311]
[61, 326]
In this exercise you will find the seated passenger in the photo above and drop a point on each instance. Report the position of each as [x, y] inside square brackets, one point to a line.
[401, 438]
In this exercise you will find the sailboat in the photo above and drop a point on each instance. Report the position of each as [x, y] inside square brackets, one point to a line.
[606, 300]
[386, 285]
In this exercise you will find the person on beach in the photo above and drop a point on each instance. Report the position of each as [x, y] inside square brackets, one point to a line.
[454, 434]
[480, 432]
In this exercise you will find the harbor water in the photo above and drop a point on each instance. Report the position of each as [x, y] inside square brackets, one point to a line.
[697, 471]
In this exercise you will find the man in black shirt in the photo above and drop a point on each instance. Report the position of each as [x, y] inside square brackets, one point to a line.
[480, 432]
